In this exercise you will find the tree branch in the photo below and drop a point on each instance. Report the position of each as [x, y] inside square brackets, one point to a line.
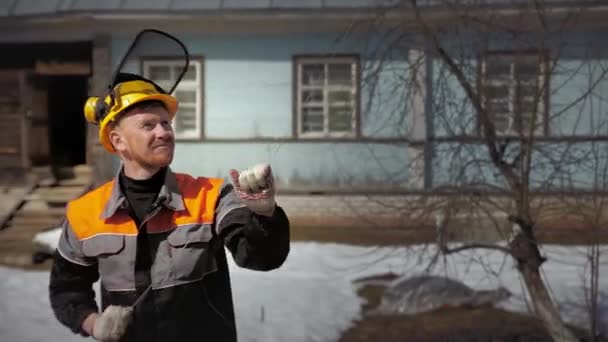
[446, 250]
[487, 125]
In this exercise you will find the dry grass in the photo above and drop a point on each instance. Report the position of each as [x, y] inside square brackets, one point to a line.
[378, 236]
[448, 324]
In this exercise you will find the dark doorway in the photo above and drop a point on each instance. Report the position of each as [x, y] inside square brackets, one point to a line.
[67, 126]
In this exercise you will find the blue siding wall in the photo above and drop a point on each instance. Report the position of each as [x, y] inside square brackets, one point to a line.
[451, 112]
[385, 99]
[248, 94]
[577, 109]
[314, 167]
[555, 166]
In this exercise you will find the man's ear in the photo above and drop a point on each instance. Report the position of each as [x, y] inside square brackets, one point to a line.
[116, 139]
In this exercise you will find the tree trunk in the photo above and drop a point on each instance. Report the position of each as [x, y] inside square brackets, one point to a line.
[529, 261]
[544, 307]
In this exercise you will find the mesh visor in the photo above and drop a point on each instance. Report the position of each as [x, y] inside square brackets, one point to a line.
[157, 56]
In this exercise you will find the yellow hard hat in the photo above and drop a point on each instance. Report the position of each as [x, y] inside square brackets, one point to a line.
[124, 95]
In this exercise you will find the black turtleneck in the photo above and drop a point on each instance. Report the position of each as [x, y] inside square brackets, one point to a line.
[141, 194]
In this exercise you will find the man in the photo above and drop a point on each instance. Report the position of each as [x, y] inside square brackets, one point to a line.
[154, 238]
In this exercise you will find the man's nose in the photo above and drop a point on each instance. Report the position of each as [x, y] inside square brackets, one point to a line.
[164, 131]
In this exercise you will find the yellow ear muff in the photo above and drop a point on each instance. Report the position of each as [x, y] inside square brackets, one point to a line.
[89, 109]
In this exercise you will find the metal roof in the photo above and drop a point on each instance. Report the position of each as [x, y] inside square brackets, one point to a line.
[18, 8]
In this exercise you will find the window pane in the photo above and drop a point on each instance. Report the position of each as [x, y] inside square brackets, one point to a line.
[188, 124]
[528, 70]
[187, 105]
[190, 75]
[526, 121]
[313, 74]
[528, 90]
[497, 107]
[511, 108]
[340, 74]
[186, 95]
[166, 86]
[340, 119]
[159, 73]
[340, 97]
[312, 119]
[185, 120]
[503, 122]
[497, 91]
[498, 67]
[528, 106]
[327, 94]
[312, 96]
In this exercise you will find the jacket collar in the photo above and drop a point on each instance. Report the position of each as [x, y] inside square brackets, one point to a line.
[169, 195]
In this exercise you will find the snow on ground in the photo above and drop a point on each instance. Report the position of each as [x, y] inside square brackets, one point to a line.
[312, 298]
[47, 241]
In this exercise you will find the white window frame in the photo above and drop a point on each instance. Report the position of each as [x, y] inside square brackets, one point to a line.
[513, 85]
[300, 61]
[195, 85]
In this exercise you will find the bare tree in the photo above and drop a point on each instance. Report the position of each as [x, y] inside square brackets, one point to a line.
[502, 102]
[588, 212]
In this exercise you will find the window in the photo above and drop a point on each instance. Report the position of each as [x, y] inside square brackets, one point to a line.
[188, 122]
[514, 88]
[327, 96]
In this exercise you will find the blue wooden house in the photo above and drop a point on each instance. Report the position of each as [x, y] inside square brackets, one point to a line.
[309, 87]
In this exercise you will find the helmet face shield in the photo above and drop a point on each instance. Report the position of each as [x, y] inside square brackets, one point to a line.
[132, 83]
[148, 47]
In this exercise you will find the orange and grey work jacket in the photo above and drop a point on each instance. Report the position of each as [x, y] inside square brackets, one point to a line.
[188, 295]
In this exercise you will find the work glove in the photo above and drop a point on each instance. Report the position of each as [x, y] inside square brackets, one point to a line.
[255, 187]
[112, 324]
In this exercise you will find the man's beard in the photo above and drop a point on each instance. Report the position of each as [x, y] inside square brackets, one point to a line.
[155, 160]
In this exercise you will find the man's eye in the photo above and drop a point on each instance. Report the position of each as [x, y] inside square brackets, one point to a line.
[148, 125]
[166, 123]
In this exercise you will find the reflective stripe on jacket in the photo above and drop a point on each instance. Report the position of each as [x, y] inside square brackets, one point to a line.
[108, 236]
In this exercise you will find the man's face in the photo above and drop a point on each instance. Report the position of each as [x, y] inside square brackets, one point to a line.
[145, 136]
